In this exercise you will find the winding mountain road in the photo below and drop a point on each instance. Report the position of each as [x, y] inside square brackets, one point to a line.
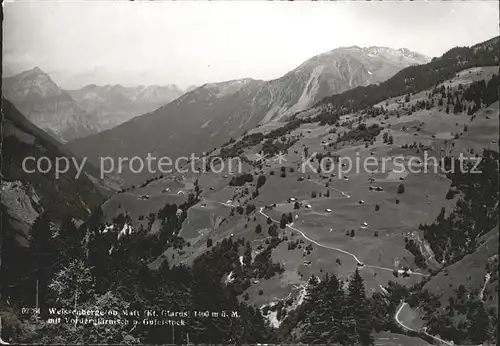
[403, 304]
[398, 321]
[309, 239]
[334, 248]
[304, 235]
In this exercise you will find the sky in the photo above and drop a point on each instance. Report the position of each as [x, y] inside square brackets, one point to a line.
[194, 42]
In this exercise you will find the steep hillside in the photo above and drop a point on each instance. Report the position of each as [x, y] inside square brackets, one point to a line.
[477, 272]
[333, 73]
[115, 104]
[25, 195]
[206, 117]
[415, 79]
[47, 106]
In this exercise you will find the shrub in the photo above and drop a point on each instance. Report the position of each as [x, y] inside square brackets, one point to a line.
[249, 208]
[401, 188]
[273, 230]
[258, 229]
[261, 181]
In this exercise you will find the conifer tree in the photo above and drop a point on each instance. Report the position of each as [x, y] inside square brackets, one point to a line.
[283, 221]
[69, 241]
[315, 327]
[479, 323]
[42, 254]
[358, 310]
[336, 311]
[258, 229]
[247, 256]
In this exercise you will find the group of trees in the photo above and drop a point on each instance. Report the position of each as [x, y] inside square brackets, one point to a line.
[413, 247]
[274, 142]
[286, 219]
[412, 79]
[331, 315]
[464, 318]
[469, 98]
[91, 267]
[241, 179]
[475, 213]
[237, 148]
[361, 133]
[387, 138]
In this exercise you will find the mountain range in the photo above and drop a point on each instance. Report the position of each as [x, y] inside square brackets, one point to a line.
[71, 114]
[206, 117]
[115, 104]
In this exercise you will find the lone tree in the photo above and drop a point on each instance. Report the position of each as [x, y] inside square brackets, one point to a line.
[247, 256]
[283, 221]
[296, 205]
[209, 242]
[359, 311]
[401, 188]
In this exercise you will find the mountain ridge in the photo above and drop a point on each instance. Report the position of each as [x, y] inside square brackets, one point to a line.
[115, 104]
[215, 112]
[48, 106]
[40, 192]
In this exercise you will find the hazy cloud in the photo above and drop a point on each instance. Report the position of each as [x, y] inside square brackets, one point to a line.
[195, 42]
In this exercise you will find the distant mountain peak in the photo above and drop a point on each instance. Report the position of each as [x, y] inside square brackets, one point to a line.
[229, 87]
[34, 82]
[402, 57]
[49, 107]
[32, 73]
